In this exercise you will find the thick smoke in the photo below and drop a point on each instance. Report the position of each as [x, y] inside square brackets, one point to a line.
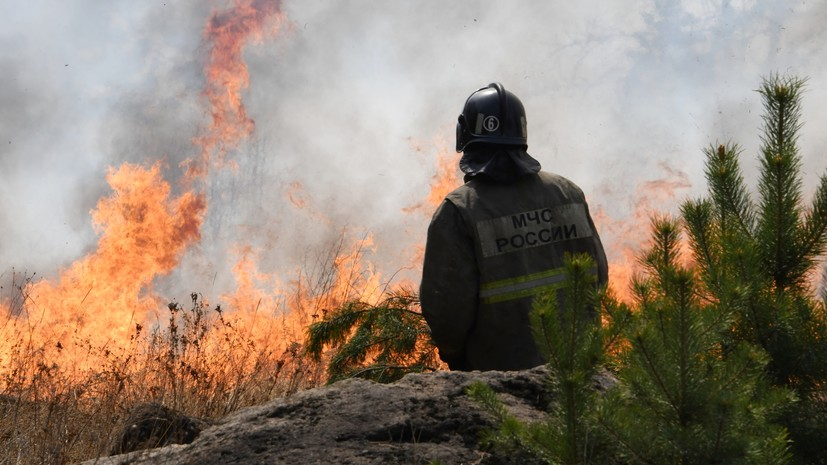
[42, 209]
[354, 100]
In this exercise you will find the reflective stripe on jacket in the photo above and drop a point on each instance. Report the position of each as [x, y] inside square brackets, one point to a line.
[491, 248]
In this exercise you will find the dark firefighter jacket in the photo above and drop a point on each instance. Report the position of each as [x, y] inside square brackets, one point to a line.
[491, 248]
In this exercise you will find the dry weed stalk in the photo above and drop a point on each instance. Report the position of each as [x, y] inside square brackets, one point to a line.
[202, 361]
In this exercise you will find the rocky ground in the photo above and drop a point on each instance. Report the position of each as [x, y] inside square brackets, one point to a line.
[421, 419]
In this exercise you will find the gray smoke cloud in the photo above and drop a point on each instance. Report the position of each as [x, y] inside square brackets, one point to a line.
[353, 100]
[36, 223]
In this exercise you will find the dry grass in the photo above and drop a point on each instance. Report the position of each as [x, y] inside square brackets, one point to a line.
[201, 361]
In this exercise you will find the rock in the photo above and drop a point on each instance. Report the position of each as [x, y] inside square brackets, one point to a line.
[152, 425]
[420, 419]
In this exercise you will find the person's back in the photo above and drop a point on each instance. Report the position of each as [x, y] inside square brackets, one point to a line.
[496, 242]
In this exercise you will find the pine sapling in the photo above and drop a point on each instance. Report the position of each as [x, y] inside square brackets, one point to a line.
[757, 260]
[565, 324]
[680, 398]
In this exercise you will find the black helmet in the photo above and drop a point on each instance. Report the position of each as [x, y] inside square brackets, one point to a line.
[494, 115]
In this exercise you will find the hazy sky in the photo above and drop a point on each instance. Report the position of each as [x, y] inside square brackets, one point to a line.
[354, 100]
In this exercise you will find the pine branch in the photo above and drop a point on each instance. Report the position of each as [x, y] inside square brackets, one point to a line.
[779, 184]
[640, 454]
[543, 325]
[698, 219]
[683, 281]
[653, 368]
[782, 109]
[726, 184]
[664, 250]
[384, 368]
[333, 331]
[618, 317]
[815, 225]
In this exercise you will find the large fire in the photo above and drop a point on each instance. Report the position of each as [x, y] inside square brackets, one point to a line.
[101, 302]
[105, 302]
[98, 308]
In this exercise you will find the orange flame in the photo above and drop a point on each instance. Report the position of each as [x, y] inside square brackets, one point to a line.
[100, 299]
[261, 300]
[227, 76]
[144, 233]
[625, 238]
[445, 179]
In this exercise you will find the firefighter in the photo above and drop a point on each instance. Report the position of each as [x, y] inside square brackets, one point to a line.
[498, 240]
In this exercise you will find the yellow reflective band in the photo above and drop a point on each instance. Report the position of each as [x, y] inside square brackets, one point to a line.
[521, 286]
[524, 286]
[520, 294]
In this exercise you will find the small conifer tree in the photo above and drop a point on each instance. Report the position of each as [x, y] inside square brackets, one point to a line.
[757, 260]
[381, 342]
[571, 339]
[680, 400]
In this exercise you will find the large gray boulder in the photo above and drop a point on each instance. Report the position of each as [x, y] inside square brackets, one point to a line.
[421, 419]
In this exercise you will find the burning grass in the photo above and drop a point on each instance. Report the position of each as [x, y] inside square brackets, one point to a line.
[63, 402]
[78, 352]
[202, 364]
